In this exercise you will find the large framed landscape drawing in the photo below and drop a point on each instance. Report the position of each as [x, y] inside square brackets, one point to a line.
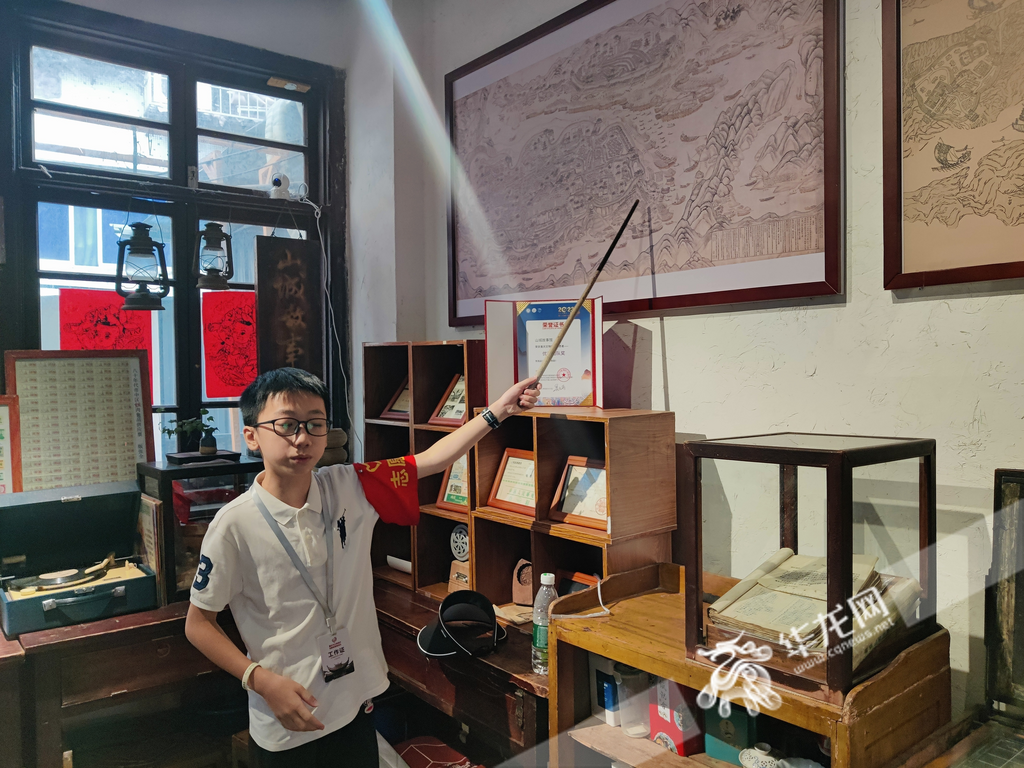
[953, 133]
[722, 118]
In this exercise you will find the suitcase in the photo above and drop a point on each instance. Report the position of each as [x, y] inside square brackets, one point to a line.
[50, 539]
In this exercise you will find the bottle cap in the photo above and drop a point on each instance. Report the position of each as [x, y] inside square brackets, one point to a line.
[547, 579]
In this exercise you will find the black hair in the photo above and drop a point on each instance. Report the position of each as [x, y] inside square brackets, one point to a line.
[276, 382]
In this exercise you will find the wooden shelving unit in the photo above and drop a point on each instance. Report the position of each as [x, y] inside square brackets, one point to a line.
[429, 367]
[873, 723]
[635, 447]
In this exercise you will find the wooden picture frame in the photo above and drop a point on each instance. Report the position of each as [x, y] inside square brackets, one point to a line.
[780, 224]
[516, 457]
[105, 448]
[440, 420]
[444, 497]
[289, 304]
[149, 545]
[10, 445]
[557, 511]
[393, 415]
[946, 218]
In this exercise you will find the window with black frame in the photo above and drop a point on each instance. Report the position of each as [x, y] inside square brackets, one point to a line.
[111, 141]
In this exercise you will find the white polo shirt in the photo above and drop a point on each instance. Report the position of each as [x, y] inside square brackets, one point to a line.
[244, 566]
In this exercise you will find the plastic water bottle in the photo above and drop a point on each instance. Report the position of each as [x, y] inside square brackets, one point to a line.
[546, 596]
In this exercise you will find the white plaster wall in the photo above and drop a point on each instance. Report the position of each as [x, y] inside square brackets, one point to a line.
[333, 32]
[945, 365]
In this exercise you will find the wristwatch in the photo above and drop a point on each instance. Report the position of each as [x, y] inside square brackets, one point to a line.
[491, 419]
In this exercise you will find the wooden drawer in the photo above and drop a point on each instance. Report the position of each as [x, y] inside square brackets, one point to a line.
[111, 672]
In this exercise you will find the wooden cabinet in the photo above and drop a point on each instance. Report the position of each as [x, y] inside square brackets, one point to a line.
[874, 722]
[427, 368]
[12, 659]
[636, 449]
[86, 668]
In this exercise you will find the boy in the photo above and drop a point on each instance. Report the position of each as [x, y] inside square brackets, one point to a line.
[292, 558]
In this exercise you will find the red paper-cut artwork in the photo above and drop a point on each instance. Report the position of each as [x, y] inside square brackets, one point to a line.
[229, 341]
[91, 319]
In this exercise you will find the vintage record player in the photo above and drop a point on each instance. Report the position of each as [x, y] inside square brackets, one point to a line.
[66, 556]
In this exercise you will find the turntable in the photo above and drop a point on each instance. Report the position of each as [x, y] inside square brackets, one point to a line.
[66, 557]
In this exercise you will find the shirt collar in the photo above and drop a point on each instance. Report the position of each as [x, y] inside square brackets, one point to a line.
[282, 512]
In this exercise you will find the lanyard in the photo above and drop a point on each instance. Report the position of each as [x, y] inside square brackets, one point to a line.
[328, 604]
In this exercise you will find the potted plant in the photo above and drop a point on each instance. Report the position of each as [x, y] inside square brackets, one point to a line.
[188, 427]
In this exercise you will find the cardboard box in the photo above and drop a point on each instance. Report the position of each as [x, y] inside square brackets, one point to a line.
[604, 697]
[677, 723]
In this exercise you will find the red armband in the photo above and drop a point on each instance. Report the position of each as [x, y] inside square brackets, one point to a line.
[390, 487]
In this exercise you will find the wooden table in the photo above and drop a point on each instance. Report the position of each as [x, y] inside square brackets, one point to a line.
[87, 667]
[877, 720]
[497, 695]
[12, 657]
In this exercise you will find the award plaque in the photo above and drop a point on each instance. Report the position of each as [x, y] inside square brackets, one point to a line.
[454, 495]
[582, 495]
[401, 404]
[513, 488]
[451, 411]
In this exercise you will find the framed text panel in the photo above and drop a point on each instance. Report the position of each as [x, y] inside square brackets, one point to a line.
[85, 415]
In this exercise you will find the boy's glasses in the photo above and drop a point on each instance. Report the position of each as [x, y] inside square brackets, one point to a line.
[290, 427]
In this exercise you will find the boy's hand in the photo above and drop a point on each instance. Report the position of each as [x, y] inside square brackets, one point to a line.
[518, 398]
[288, 700]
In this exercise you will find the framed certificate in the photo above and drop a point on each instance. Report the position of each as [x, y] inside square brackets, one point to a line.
[572, 377]
[454, 495]
[514, 488]
[451, 411]
[582, 495]
[400, 406]
[10, 445]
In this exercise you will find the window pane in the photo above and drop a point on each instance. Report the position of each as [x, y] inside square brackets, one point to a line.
[84, 240]
[229, 343]
[62, 78]
[250, 114]
[238, 164]
[76, 314]
[229, 429]
[101, 144]
[243, 245]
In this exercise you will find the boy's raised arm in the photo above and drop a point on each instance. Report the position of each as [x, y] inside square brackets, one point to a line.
[518, 398]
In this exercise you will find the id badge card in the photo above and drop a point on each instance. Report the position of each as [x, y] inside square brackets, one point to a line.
[336, 655]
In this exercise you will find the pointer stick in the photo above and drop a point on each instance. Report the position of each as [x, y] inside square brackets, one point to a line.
[586, 292]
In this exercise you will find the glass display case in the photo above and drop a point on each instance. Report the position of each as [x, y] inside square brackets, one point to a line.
[851, 581]
[191, 495]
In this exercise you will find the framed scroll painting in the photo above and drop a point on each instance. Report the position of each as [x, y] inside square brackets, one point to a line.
[723, 119]
[953, 135]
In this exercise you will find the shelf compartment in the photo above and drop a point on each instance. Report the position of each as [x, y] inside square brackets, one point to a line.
[394, 540]
[384, 441]
[435, 511]
[385, 367]
[496, 548]
[613, 743]
[558, 439]
[387, 573]
[551, 555]
[433, 551]
[515, 432]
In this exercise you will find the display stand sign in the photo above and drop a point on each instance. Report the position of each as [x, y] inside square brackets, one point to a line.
[519, 335]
